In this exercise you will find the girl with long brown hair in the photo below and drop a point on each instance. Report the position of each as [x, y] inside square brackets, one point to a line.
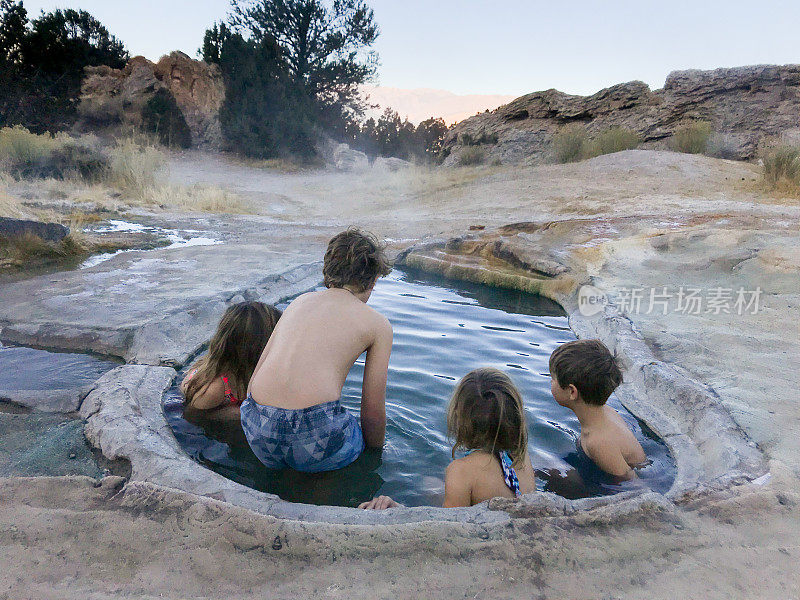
[219, 379]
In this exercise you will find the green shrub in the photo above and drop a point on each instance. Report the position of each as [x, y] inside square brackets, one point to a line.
[692, 138]
[465, 139]
[26, 154]
[781, 166]
[613, 140]
[570, 143]
[162, 117]
[471, 155]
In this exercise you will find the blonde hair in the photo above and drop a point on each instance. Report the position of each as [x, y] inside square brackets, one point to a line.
[234, 350]
[486, 413]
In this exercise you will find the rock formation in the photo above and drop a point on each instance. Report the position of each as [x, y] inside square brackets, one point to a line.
[116, 97]
[744, 105]
[50, 232]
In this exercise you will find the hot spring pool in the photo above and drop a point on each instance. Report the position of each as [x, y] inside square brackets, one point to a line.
[442, 330]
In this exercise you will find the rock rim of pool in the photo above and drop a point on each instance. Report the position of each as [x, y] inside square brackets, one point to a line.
[166, 330]
[125, 421]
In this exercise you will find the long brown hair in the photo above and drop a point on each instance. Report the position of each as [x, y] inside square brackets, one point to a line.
[486, 413]
[237, 345]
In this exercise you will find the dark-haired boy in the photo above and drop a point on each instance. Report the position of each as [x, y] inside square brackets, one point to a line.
[584, 373]
[292, 416]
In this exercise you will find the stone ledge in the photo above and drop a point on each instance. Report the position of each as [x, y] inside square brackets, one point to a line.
[125, 420]
[54, 401]
[169, 339]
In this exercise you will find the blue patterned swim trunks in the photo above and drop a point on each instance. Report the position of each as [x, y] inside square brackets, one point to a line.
[324, 437]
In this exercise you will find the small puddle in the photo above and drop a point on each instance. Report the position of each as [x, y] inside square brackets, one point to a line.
[442, 330]
[177, 238]
[45, 444]
[25, 368]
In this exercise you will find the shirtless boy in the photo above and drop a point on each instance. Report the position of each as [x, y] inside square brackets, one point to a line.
[292, 416]
[584, 373]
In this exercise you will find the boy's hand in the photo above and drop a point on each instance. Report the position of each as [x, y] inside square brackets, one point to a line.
[379, 503]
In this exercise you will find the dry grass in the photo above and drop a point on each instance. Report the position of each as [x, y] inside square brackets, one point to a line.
[135, 167]
[571, 143]
[203, 198]
[613, 140]
[280, 165]
[20, 251]
[27, 155]
[781, 170]
[692, 137]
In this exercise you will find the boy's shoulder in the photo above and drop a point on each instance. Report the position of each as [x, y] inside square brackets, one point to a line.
[377, 320]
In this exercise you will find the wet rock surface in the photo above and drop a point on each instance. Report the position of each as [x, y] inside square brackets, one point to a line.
[39, 444]
[46, 381]
[148, 307]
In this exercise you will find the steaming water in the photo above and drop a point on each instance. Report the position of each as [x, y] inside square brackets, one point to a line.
[442, 330]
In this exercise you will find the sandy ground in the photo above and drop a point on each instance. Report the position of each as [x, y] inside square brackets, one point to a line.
[65, 538]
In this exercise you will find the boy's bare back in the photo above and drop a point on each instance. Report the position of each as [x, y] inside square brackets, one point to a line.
[311, 351]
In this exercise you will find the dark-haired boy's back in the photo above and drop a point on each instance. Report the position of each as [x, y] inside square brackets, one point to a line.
[584, 374]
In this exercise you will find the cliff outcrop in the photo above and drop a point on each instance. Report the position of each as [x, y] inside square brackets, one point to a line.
[744, 105]
[116, 98]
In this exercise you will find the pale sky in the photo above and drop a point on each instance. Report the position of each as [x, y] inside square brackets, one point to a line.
[508, 46]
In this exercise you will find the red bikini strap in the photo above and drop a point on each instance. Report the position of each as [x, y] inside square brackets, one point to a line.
[228, 391]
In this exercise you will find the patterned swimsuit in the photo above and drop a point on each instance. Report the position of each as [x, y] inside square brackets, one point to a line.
[509, 473]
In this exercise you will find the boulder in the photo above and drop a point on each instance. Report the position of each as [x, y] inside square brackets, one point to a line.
[344, 158]
[390, 164]
[744, 105]
[116, 97]
[50, 232]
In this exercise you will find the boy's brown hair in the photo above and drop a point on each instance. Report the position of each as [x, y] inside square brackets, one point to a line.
[354, 258]
[589, 366]
[486, 413]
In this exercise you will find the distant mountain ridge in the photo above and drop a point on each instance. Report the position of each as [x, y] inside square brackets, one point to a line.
[423, 103]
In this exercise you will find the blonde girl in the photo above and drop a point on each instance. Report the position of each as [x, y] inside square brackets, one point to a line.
[486, 418]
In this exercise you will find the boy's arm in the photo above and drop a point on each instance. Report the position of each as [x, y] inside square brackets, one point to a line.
[457, 489]
[610, 460]
[373, 390]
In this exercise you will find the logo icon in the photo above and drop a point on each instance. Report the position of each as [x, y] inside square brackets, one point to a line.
[591, 300]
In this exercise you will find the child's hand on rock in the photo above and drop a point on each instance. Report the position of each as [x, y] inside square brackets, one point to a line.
[379, 503]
